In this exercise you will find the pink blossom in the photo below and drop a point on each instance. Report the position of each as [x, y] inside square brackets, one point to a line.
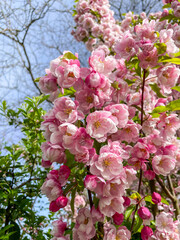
[50, 124]
[52, 189]
[168, 76]
[90, 182]
[146, 233]
[83, 140]
[110, 205]
[99, 124]
[97, 216]
[79, 201]
[166, 37]
[164, 222]
[67, 75]
[109, 165]
[126, 47]
[59, 228]
[87, 99]
[123, 233]
[120, 111]
[84, 224]
[64, 173]
[67, 132]
[115, 187]
[66, 110]
[148, 59]
[53, 153]
[100, 63]
[140, 150]
[163, 164]
[48, 83]
[168, 125]
[149, 174]
[130, 133]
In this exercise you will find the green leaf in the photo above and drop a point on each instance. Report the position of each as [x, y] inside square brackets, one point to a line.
[161, 47]
[174, 105]
[130, 82]
[173, 60]
[139, 222]
[2, 230]
[37, 79]
[135, 196]
[148, 199]
[138, 69]
[156, 89]
[167, 6]
[155, 115]
[69, 55]
[159, 109]
[177, 88]
[68, 92]
[164, 201]
[129, 211]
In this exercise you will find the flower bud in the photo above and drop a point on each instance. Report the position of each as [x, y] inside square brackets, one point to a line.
[144, 213]
[146, 233]
[61, 201]
[53, 207]
[127, 201]
[156, 197]
[118, 218]
[90, 182]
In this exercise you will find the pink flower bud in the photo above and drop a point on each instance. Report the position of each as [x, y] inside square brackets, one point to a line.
[118, 218]
[53, 207]
[146, 233]
[127, 201]
[61, 201]
[90, 182]
[46, 164]
[149, 174]
[64, 173]
[144, 213]
[156, 197]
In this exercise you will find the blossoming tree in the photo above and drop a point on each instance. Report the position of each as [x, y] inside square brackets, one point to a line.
[112, 134]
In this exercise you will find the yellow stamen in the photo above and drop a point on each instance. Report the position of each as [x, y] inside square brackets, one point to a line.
[106, 162]
[71, 74]
[68, 110]
[97, 124]
[89, 99]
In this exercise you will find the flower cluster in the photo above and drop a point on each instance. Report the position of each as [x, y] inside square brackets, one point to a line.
[112, 128]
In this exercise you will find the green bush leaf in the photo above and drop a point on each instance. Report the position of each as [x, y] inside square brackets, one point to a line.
[177, 88]
[157, 90]
[69, 55]
[173, 60]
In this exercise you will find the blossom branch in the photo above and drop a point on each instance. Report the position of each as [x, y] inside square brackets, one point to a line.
[141, 172]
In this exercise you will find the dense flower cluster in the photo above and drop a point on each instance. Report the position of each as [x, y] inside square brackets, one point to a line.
[111, 126]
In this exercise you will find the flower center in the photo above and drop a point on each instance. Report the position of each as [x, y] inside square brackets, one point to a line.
[106, 163]
[86, 221]
[128, 130]
[89, 99]
[71, 74]
[97, 124]
[68, 110]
